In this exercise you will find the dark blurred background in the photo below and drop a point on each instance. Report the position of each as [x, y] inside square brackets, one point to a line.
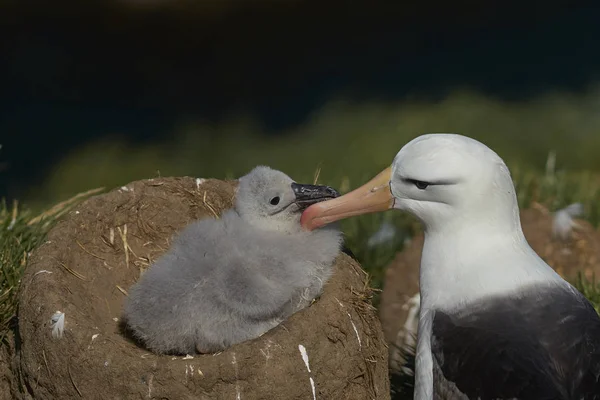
[98, 93]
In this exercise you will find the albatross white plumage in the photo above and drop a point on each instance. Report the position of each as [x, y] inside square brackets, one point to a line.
[496, 322]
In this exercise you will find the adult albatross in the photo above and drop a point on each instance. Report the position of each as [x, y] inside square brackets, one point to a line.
[496, 322]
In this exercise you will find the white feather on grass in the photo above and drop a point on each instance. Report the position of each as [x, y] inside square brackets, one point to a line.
[384, 234]
[57, 323]
[563, 222]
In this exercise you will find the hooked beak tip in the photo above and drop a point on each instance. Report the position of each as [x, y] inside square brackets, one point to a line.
[308, 195]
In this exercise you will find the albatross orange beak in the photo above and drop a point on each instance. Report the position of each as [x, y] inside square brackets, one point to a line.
[371, 197]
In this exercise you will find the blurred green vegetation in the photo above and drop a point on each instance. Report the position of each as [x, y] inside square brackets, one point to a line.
[346, 140]
[590, 289]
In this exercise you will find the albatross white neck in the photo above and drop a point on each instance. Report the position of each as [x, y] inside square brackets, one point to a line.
[470, 263]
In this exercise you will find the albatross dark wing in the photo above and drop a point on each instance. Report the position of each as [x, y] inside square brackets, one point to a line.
[543, 344]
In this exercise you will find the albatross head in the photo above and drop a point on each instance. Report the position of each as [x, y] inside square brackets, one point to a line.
[269, 199]
[445, 180]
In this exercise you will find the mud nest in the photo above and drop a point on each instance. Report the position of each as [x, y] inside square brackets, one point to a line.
[579, 254]
[333, 349]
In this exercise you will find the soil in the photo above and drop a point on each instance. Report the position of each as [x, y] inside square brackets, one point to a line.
[581, 253]
[97, 252]
[6, 376]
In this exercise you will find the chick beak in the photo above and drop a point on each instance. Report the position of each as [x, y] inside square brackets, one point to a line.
[307, 195]
[374, 196]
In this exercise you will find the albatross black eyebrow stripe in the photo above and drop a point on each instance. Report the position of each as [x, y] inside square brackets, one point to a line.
[431, 183]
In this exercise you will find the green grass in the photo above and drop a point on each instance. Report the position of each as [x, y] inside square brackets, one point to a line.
[17, 238]
[20, 232]
[590, 289]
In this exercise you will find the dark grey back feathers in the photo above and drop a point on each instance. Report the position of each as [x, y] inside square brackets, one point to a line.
[541, 344]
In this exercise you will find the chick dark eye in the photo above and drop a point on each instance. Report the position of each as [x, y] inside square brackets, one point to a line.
[274, 201]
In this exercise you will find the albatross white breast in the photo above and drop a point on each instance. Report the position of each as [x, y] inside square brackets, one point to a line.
[496, 322]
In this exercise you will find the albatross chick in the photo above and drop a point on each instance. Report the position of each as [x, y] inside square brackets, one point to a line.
[496, 322]
[228, 280]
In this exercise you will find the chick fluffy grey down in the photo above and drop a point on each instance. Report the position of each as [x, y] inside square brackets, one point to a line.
[228, 280]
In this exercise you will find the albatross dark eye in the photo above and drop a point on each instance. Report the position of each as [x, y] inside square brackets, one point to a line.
[419, 184]
[275, 200]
